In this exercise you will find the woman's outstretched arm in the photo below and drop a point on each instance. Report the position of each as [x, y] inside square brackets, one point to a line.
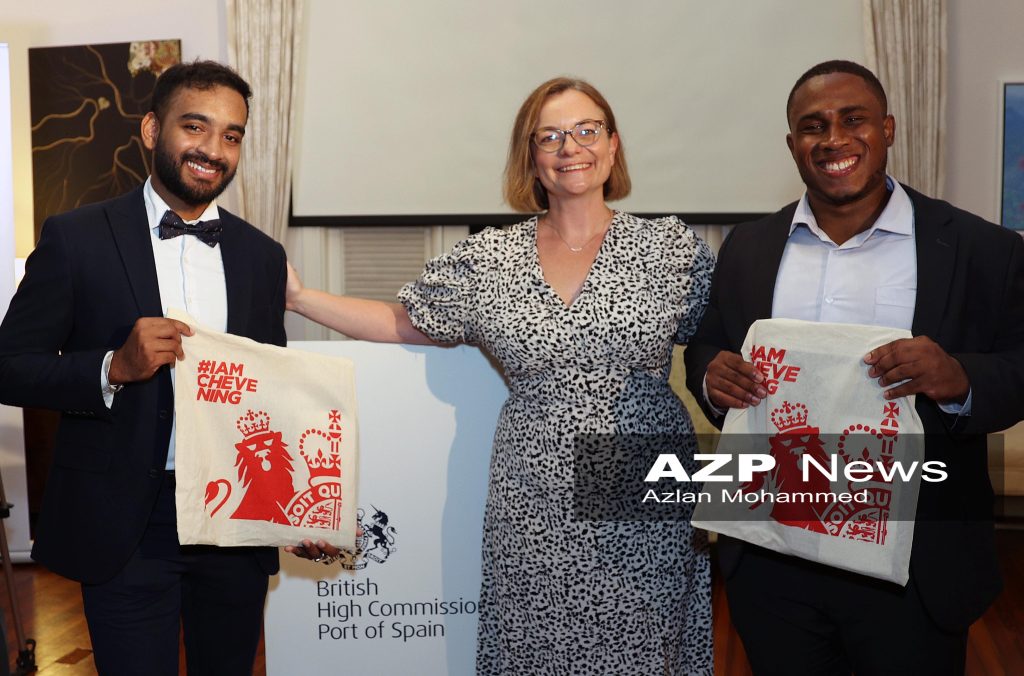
[357, 318]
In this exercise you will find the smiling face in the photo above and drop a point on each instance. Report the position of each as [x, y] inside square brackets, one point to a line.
[839, 135]
[574, 170]
[196, 146]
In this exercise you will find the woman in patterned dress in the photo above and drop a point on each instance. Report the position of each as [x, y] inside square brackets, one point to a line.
[581, 305]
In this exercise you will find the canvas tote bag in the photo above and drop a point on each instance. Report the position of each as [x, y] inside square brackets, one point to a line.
[822, 404]
[266, 443]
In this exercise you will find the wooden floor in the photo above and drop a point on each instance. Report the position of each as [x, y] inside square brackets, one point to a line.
[51, 609]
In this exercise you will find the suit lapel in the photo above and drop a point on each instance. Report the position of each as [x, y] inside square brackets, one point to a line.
[936, 258]
[237, 273]
[765, 268]
[130, 228]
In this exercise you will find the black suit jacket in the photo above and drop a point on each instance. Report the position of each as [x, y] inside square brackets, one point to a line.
[970, 300]
[91, 276]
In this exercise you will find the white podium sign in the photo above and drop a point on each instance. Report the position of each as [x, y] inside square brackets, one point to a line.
[409, 604]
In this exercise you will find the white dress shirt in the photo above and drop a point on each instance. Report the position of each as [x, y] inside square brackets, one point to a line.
[190, 275]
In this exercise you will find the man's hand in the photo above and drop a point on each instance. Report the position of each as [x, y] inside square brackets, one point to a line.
[734, 383]
[926, 367]
[153, 342]
[321, 551]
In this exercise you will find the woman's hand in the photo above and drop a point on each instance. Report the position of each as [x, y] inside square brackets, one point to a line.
[320, 551]
[293, 289]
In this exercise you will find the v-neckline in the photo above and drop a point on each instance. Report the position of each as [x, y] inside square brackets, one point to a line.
[539, 269]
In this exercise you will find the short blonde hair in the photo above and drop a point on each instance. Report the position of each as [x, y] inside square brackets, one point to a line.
[522, 189]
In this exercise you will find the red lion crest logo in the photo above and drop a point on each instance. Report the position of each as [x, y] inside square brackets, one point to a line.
[265, 475]
[796, 438]
[264, 472]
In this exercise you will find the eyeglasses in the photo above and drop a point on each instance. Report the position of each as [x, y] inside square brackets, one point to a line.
[584, 132]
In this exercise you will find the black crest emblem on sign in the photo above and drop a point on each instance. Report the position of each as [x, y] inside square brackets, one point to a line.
[376, 543]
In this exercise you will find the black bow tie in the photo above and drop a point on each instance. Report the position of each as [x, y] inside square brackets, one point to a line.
[207, 232]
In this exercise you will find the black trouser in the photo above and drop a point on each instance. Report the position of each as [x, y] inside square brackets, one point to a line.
[215, 595]
[796, 617]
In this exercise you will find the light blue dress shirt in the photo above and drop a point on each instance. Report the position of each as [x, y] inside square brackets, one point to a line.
[869, 279]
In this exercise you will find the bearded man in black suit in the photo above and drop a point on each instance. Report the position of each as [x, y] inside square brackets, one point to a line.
[86, 334]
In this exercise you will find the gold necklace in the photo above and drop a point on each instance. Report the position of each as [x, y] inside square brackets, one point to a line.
[581, 247]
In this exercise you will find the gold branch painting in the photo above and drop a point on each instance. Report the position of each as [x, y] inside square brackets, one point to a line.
[87, 102]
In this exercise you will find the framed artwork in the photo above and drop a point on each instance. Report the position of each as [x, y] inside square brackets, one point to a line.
[1011, 194]
[87, 103]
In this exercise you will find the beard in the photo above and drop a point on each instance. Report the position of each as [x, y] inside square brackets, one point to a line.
[169, 170]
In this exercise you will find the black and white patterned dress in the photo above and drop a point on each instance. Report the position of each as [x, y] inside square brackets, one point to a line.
[558, 596]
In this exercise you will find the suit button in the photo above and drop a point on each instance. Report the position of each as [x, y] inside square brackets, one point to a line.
[154, 474]
[164, 414]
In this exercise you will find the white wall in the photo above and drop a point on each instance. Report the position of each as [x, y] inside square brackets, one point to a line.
[6, 185]
[985, 46]
[12, 438]
[200, 24]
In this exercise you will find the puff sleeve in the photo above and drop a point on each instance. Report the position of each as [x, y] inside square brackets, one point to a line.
[690, 261]
[441, 302]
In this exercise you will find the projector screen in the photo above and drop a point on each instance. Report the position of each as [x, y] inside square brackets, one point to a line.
[405, 108]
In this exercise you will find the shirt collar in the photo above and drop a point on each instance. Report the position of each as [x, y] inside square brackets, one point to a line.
[156, 207]
[897, 217]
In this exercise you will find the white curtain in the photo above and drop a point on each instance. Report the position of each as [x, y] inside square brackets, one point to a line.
[905, 42]
[263, 46]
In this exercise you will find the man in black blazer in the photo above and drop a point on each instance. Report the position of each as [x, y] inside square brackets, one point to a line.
[957, 282]
[86, 334]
